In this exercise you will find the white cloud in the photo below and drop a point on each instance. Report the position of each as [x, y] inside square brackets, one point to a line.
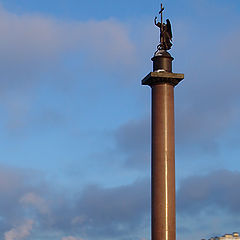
[28, 39]
[19, 232]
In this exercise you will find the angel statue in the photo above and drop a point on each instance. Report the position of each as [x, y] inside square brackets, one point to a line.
[165, 32]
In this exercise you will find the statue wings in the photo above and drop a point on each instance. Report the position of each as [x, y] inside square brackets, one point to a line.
[169, 29]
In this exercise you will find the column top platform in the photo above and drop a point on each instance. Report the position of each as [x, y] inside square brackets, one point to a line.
[155, 78]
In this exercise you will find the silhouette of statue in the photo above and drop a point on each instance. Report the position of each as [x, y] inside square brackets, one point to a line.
[165, 33]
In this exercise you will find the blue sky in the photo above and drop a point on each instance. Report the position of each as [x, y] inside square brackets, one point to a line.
[75, 120]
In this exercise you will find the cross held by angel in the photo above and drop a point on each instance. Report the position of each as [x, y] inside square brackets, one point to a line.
[165, 32]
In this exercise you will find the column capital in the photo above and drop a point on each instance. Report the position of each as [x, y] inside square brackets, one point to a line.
[155, 78]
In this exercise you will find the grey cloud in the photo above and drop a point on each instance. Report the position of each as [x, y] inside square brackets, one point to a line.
[207, 100]
[12, 185]
[112, 212]
[94, 213]
[208, 205]
[216, 190]
[115, 205]
[19, 232]
[130, 138]
[121, 212]
[36, 201]
[15, 183]
[133, 139]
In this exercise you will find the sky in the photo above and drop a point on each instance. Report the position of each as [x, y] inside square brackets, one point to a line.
[75, 120]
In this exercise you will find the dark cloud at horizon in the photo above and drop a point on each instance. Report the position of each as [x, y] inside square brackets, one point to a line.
[96, 212]
[121, 212]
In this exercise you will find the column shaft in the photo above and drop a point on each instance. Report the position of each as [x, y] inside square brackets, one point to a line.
[163, 163]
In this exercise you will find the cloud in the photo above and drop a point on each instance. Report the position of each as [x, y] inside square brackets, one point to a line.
[121, 212]
[71, 238]
[123, 203]
[35, 44]
[31, 43]
[133, 140]
[39, 51]
[19, 232]
[207, 100]
[117, 212]
[36, 201]
[13, 184]
[208, 205]
[96, 212]
[217, 189]
[130, 138]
